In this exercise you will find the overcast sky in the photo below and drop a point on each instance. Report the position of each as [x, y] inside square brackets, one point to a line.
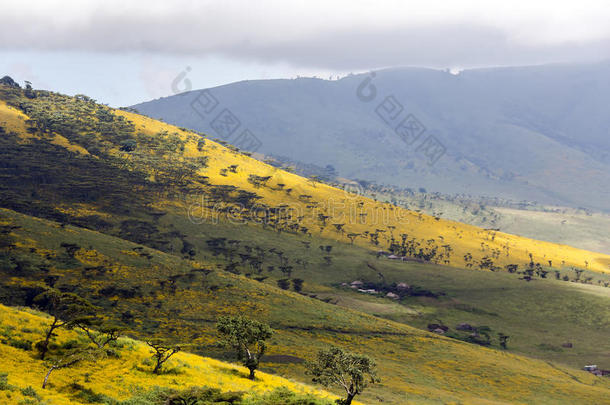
[124, 52]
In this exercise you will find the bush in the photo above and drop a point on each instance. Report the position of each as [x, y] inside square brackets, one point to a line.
[196, 395]
[155, 396]
[88, 395]
[284, 284]
[193, 395]
[30, 392]
[283, 396]
[4, 385]
[20, 344]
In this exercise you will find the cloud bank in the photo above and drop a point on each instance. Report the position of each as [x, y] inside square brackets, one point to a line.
[339, 35]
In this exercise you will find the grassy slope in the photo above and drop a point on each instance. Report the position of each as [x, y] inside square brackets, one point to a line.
[120, 377]
[535, 314]
[415, 365]
[304, 323]
[348, 209]
[588, 231]
[575, 227]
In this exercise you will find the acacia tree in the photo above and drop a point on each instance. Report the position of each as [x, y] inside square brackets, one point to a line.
[74, 357]
[350, 371]
[352, 237]
[161, 352]
[66, 309]
[503, 339]
[247, 337]
[105, 334]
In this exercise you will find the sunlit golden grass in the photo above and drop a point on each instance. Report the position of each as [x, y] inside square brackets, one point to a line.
[117, 378]
[415, 366]
[343, 207]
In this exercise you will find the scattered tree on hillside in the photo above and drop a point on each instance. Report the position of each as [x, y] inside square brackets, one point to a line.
[75, 356]
[503, 339]
[352, 372]
[8, 81]
[284, 284]
[297, 284]
[66, 310]
[258, 181]
[105, 333]
[339, 228]
[352, 237]
[247, 337]
[29, 91]
[161, 353]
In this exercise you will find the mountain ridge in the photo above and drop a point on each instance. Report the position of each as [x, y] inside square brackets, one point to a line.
[520, 141]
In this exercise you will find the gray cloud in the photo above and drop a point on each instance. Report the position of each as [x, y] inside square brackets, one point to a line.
[193, 28]
[442, 46]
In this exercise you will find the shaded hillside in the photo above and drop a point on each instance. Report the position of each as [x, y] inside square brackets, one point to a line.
[533, 133]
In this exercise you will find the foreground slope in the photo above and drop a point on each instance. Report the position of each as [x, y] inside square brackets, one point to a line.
[123, 376]
[157, 294]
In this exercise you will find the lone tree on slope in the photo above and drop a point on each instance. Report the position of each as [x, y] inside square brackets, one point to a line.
[247, 337]
[352, 372]
[66, 309]
[161, 353]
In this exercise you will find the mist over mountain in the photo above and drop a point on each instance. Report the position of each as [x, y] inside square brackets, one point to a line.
[535, 133]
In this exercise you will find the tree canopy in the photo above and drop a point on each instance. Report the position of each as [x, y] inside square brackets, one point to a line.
[350, 371]
[247, 337]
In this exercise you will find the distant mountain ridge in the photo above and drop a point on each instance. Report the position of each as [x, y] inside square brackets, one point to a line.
[536, 133]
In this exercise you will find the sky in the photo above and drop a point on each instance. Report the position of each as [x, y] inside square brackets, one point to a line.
[125, 52]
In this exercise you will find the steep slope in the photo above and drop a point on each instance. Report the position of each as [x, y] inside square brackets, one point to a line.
[122, 376]
[157, 294]
[534, 133]
[126, 152]
[291, 203]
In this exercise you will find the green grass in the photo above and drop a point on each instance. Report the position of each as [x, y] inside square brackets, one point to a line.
[423, 365]
[531, 313]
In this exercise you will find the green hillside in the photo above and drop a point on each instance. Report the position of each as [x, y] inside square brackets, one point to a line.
[98, 202]
[157, 294]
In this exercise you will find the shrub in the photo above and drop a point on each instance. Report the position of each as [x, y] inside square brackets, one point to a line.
[30, 392]
[4, 385]
[20, 344]
[88, 395]
[284, 284]
[193, 395]
[155, 396]
[203, 395]
[283, 396]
